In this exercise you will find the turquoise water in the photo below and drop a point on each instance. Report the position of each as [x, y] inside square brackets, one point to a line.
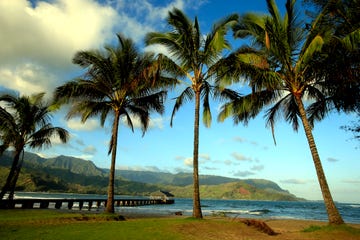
[309, 210]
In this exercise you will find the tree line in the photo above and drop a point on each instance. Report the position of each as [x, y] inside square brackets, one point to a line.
[298, 69]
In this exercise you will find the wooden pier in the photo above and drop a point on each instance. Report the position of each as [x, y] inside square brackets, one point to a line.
[81, 203]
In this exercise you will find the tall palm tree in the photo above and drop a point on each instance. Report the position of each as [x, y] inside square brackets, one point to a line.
[276, 68]
[193, 57]
[25, 122]
[342, 52]
[119, 82]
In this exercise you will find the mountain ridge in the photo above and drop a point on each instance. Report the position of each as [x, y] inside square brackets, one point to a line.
[65, 173]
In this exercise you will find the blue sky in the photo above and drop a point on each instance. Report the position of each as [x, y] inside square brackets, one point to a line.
[39, 38]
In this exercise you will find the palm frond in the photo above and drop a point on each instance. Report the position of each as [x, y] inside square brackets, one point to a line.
[274, 112]
[184, 97]
[42, 137]
[215, 41]
[308, 52]
[206, 92]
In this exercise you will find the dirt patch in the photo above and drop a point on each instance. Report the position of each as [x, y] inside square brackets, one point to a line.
[260, 226]
[245, 229]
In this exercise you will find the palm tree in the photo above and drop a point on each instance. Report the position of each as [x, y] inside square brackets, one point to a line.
[341, 52]
[25, 121]
[193, 57]
[276, 68]
[119, 82]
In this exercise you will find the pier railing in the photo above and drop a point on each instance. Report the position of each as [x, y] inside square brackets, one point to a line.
[70, 203]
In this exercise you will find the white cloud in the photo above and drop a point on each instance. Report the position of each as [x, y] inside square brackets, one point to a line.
[331, 159]
[204, 156]
[39, 38]
[90, 149]
[257, 168]
[240, 157]
[140, 168]
[38, 41]
[76, 124]
[179, 158]
[228, 162]
[293, 181]
[83, 156]
[27, 78]
[154, 122]
[352, 181]
[51, 32]
[243, 173]
[239, 139]
[188, 162]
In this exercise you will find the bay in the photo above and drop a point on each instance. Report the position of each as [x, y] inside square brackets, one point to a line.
[305, 210]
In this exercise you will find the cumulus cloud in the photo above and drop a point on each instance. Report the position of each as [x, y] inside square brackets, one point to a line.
[179, 158]
[239, 139]
[50, 32]
[154, 122]
[243, 140]
[140, 168]
[228, 162]
[243, 173]
[188, 162]
[83, 156]
[331, 159]
[352, 181]
[89, 125]
[257, 168]
[204, 156]
[90, 149]
[39, 38]
[47, 35]
[79, 141]
[26, 78]
[240, 157]
[293, 181]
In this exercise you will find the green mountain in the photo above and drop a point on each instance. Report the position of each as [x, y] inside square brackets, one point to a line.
[69, 174]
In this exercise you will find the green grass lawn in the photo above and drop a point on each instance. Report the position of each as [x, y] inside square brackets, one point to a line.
[49, 224]
[59, 224]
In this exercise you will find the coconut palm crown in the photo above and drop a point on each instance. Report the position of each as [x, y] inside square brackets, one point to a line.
[275, 67]
[193, 59]
[25, 122]
[118, 82]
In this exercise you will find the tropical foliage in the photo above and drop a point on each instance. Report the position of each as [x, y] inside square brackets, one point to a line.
[119, 81]
[193, 57]
[279, 69]
[341, 52]
[25, 122]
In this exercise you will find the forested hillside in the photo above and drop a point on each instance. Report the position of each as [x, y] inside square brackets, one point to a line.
[68, 174]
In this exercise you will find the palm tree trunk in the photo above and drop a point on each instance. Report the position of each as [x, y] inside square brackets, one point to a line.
[196, 198]
[114, 136]
[16, 176]
[333, 213]
[6, 187]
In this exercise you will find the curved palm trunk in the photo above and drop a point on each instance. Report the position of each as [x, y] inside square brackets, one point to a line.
[196, 197]
[16, 176]
[10, 179]
[114, 136]
[333, 213]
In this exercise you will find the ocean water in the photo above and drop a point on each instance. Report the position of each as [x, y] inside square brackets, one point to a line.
[308, 210]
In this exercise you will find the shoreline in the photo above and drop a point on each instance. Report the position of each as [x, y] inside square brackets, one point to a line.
[308, 210]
